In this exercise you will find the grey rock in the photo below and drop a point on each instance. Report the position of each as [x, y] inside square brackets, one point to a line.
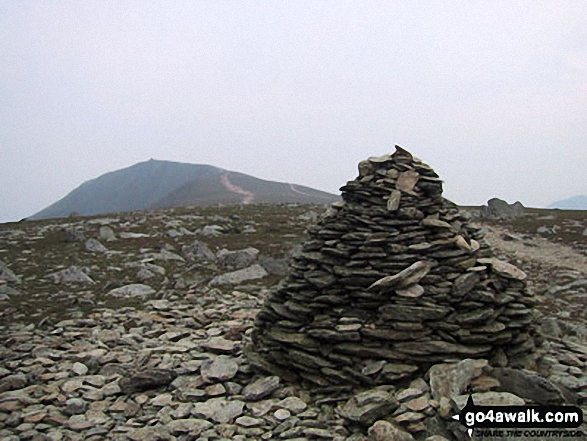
[219, 410]
[282, 414]
[222, 368]
[131, 235]
[448, 380]
[529, 386]
[152, 433]
[237, 259]
[94, 246]
[7, 274]
[79, 368]
[385, 431]
[210, 230]
[500, 209]
[293, 404]
[146, 379]
[503, 268]
[7, 292]
[274, 266]
[132, 290]
[164, 255]
[107, 234]
[13, 382]
[220, 344]
[191, 426]
[144, 274]
[73, 235]
[409, 276]
[73, 274]
[367, 407]
[261, 388]
[198, 251]
[247, 421]
[75, 406]
[394, 200]
[253, 272]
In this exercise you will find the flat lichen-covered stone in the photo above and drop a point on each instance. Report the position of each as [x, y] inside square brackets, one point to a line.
[392, 275]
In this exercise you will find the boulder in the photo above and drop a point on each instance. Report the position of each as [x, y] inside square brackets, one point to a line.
[499, 209]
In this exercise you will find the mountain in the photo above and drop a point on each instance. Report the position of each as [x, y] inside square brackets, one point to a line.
[573, 203]
[164, 184]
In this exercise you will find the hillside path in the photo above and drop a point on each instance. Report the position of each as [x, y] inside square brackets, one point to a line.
[248, 196]
[537, 249]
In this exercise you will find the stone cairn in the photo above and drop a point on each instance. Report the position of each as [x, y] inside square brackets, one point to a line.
[392, 280]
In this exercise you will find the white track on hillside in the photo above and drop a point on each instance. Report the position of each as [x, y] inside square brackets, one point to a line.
[248, 196]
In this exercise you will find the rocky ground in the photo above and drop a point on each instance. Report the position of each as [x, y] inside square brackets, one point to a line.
[133, 327]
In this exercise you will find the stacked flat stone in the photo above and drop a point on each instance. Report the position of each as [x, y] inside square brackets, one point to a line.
[392, 280]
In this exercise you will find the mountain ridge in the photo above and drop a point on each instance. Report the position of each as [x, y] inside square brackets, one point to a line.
[578, 202]
[156, 184]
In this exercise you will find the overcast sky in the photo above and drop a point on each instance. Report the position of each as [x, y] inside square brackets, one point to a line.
[492, 94]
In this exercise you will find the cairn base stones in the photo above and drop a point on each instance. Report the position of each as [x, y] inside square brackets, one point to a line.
[391, 281]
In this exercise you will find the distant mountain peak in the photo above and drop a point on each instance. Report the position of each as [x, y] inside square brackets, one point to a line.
[156, 183]
[578, 202]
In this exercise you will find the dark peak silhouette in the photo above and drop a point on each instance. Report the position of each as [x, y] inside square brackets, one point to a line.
[164, 184]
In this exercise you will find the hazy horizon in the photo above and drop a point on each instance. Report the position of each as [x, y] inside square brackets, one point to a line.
[493, 95]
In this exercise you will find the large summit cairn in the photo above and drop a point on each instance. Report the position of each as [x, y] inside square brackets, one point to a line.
[392, 280]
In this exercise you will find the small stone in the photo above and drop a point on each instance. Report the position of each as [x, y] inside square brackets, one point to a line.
[373, 367]
[408, 394]
[410, 417]
[132, 290]
[221, 345]
[79, 369]
[191, 426]
[282, 414]
[220, 369]
[145, 380]
[503, 268]
[411, 291]
[198, 251]
[79, 423]
[13, 382]
[75, 406]
[394, 200]
[406, 181]
[162, 400]
[73, 274]
[261, 388]
[293, 404]
[246, 421]
[461, 243]
[220, 410]
[436, 223]
[94, 246]
[418, 404]
[253, 272]
[368, 406]
[106, 233]
[385, 431]
[215, 390]
[448, 380]
[411, 275]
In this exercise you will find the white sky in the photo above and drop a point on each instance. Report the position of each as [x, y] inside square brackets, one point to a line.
[492, 94]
